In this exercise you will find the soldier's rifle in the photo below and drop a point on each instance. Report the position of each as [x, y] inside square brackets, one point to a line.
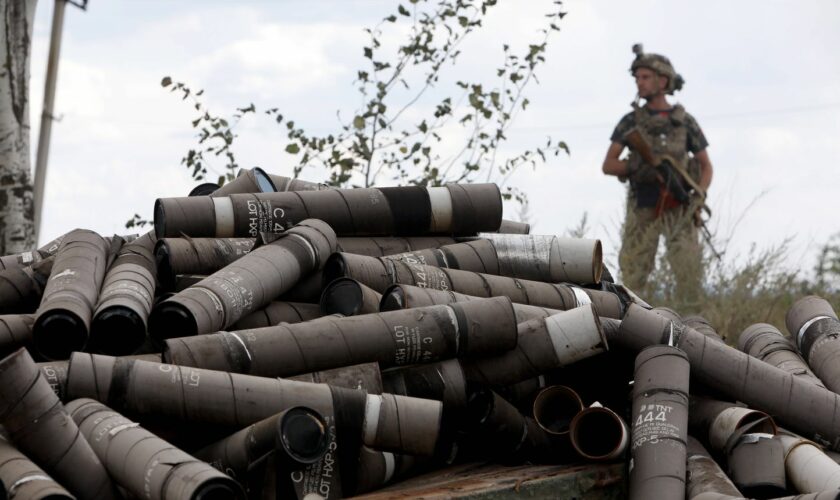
[669, 172]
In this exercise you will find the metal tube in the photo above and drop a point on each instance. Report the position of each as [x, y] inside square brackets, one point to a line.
[244, 285]
[494, 427]
[660, 424]
[365, 376]
[554, 409]
[391, 423]
[548, 258]
[703, 326]
[174, 256]
[15, 331]
[470, 329]
[599, 434]
[813, 324]
[514, 227]
[303, 430]
[144, 464]
[348, 297]
[277, 312]
[401, 296]
[704, 474]
[809, 470]
[542, 345]
[768, 344]
[40, 427]
[63, 319]
[128, 291]
[794, 402]
[252, 180]
[22, 288]
[22, 478]
[406, 210]
[745, 438]
[283, 183]
[380, 273]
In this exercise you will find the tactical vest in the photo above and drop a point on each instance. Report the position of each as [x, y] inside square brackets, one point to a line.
[667, 135]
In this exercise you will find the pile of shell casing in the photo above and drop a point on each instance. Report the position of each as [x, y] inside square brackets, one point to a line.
[275, 338]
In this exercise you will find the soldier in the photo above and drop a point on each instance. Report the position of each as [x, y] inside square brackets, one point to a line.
[653, 207]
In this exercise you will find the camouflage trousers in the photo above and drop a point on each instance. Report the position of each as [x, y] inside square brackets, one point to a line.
[640, 241]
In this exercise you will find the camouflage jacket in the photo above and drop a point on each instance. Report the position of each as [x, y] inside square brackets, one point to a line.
[674, 132]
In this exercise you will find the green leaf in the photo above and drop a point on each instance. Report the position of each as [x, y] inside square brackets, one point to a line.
[359, 122]
[402, 10]
[167, 81]
[293, 149]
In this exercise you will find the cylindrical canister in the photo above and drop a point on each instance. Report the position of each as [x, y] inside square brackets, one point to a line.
[660, 424]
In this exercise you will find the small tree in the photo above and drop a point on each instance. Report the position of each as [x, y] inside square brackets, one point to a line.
[377, 143]
[16, 207]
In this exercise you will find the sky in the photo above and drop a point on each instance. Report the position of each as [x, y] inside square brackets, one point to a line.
[762, 79]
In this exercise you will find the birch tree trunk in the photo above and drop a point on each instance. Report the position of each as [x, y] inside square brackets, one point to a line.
[16, 208]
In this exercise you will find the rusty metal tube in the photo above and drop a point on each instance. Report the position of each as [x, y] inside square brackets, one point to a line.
[62, 322]
[245, 285]
[125, 301]
[599, 434]
[812, 322]
[705, 475]
[542, 345]
[379, 246]
[380, 273]
[768, 344]
[407, 210]
[348, 297]
[392, 423]
[554, 409]
[703, 326]
[40, 427]
[144, 464]
[22, 478]
[660, 423]
[470, 329]
[796, 403]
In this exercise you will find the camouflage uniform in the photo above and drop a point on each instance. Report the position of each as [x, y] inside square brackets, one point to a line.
[650, 214]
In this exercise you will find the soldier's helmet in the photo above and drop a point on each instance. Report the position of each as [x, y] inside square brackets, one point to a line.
[658, 63]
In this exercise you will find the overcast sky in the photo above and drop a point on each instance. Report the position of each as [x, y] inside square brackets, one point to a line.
[762, 78]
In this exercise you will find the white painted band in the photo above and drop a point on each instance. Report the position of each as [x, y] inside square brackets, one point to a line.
[574, 334]
[27, 257]
[454, 320]
[224, 217]
[239, 339]
[441, 202]
[373, 406]
[581, 298]
[116, 430]
[802, 331]
[440, 253]
[312, 253]
[541, 381]
[26, 479]
[389, 465]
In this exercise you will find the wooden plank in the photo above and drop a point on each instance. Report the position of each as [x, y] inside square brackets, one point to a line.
[497, 482]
